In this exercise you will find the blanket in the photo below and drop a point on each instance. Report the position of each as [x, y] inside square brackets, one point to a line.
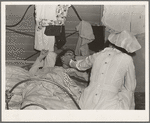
[49, 92]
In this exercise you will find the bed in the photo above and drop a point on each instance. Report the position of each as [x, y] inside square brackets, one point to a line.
[51, 92]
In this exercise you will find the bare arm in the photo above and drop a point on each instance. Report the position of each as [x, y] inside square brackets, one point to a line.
[38, 63]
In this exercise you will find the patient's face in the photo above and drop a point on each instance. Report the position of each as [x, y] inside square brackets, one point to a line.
[67, 57]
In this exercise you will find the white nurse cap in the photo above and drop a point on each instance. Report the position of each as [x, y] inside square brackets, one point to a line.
[125, 40]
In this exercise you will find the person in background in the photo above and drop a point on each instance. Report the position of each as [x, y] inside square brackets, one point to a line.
[113, 81]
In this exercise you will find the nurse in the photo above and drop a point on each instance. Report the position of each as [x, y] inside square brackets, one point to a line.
[112, 81]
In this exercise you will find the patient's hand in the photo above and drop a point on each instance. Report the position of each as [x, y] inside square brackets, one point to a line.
[43, 54]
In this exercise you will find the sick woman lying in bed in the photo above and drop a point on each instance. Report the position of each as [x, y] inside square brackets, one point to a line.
[41, 91]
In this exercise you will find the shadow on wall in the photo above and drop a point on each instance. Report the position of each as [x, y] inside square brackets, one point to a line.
[139, 100]
[139, 61]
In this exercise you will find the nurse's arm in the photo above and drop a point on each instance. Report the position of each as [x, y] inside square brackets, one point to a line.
[85, 63]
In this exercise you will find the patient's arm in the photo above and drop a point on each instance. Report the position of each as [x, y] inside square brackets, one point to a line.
[35, 67]
[38, 63]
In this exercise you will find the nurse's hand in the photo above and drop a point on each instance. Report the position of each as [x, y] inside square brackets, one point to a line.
[43, 54]
[72, 63]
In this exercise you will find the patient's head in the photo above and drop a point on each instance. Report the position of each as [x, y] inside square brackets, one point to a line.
[64, 57]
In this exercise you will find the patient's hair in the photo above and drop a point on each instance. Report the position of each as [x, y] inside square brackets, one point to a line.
[58, 59]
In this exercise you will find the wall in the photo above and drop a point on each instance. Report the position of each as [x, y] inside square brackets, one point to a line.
[20, 46]
[89, 13]
[139, 61]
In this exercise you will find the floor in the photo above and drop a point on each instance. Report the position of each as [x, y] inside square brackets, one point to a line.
[140, 100]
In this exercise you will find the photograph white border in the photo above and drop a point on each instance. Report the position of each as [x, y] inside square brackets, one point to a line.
[75, 115]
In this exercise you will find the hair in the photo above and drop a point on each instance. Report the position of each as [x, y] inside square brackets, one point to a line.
[119, 48]
[59, 56]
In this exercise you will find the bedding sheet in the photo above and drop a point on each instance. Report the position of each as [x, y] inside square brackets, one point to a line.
[44, 91]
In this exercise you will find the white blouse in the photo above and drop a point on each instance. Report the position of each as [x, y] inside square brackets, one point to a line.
[112, 81]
